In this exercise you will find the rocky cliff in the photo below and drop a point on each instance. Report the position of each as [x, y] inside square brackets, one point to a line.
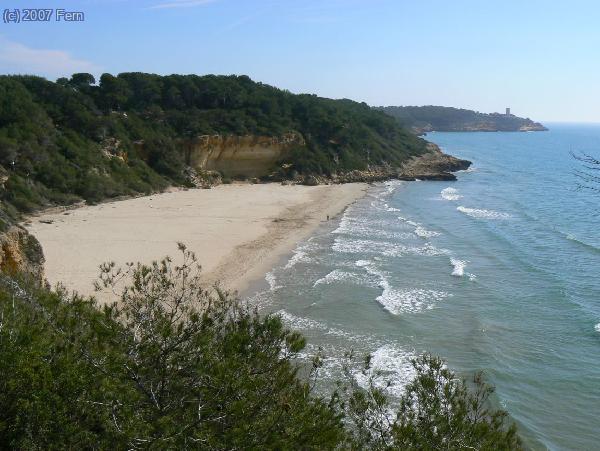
[247, 156]
[432, 165]
[20, 252]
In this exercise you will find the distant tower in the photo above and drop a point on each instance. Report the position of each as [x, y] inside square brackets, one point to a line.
[508, 111]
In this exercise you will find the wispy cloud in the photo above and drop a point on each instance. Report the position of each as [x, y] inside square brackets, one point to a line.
[18, 58]
[182, 4]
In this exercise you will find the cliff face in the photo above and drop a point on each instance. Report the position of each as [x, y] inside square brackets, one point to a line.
[20, 252]
[248, 156]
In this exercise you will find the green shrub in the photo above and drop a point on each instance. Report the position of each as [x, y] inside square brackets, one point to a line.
[173, 366]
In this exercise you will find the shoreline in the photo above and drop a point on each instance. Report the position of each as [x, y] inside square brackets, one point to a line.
[238, 232]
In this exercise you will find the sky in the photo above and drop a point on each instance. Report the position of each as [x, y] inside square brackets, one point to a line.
[540, 58]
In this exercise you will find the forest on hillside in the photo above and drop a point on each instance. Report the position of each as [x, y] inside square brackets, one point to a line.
[81, 138]
[422, 119]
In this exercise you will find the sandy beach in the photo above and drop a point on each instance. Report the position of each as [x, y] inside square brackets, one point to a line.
[237, 231]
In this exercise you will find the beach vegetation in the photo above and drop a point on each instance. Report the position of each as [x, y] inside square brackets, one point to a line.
[173, 365]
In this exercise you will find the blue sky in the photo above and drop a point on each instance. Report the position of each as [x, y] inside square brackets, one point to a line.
[539, 58]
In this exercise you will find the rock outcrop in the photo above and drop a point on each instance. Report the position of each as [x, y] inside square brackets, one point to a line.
[20, 252]
[247, 156]
[433, 165]
[257, 156]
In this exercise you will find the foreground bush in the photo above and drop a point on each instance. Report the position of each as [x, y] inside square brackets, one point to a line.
[172, 366]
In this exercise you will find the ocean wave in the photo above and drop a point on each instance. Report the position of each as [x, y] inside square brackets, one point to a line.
[574, 239]
[272, 281]
[450, 194]
[387, 188]
[297, 322]
[354, 246]
[299, 256]
[428, 250]
[358, 246]
[597, 328]
[415, 300]
[458, 269]
[424, 233]
[391, 370]
[304, 323]
[399, 301]
[302, 253]
[391, 185]
[483, 214]
[368, 228]
[337, 275]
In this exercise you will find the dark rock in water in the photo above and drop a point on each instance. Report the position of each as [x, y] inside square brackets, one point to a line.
[434, 165]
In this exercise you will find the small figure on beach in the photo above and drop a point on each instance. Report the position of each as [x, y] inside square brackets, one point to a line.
[328, 217]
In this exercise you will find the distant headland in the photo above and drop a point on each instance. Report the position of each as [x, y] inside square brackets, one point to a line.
[423, 119]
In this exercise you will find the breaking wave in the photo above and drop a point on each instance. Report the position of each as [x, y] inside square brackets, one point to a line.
[399, 301]
[458, 269]
[424, 233]
[483, 214]
[450, 194]
[337, 275]
[272, 281]
[391, 369]
[358, 246]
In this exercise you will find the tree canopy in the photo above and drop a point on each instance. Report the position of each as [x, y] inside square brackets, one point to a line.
[74, 139]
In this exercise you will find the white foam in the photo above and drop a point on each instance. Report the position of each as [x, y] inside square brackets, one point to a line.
[304, 323]
[483, 214]
[597, 328]
[297, 322]
[391, 185]
[415, 300]
[367, 228]
[359, 246]
[399, 301]
[272, 281]
[428, 250]
[424, 233]
[458, 267]
[450, 194]
[299, 256]
[337, 275]
[391, 370]
[353, 246]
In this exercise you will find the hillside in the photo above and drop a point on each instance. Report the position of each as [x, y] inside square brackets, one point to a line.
[136, 133]
[423, 119]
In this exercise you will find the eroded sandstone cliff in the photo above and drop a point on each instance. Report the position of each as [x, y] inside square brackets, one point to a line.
[247, 156]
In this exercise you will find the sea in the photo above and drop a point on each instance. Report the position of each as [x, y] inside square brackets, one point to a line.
[498, 271]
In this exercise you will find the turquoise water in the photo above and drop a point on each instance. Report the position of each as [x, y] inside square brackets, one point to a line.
[499, 271]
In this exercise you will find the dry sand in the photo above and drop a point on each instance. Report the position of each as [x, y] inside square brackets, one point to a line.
[239, 232]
